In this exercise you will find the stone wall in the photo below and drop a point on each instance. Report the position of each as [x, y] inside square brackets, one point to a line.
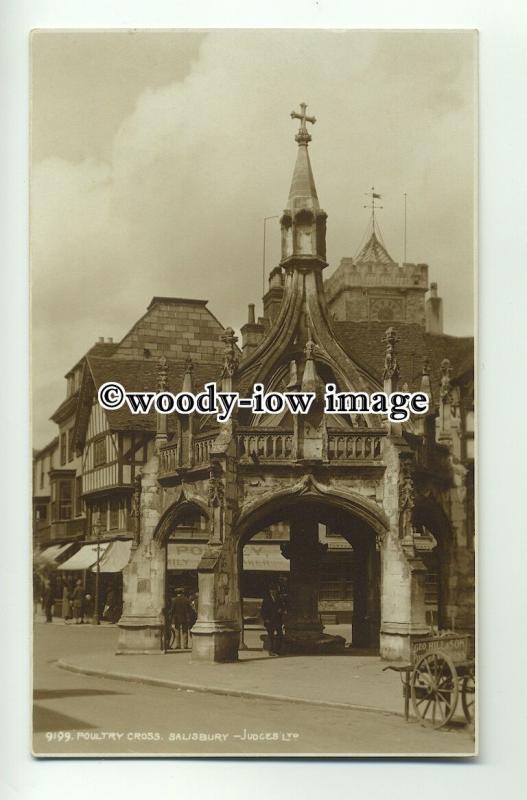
[177, 329]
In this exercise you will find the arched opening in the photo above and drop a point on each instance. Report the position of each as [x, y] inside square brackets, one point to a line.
[183, 533]
[322, 556]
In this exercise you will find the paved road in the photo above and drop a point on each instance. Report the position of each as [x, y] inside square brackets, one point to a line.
[76, 714]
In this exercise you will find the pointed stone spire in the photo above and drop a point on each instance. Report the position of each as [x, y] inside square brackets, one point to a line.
[426, 385]
[446, 386]
[303, 222]
[391, 367]
[303, 192]
[187, 377]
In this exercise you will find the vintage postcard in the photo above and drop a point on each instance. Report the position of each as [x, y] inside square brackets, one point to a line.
[253, 273]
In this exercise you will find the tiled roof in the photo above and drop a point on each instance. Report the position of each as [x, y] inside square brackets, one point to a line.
[98, 349]
[374, 252]
[141, 376]
[52, 445]
[66, 408]
[363, 341]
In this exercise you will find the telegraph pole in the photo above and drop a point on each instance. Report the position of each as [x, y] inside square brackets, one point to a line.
[404, 239]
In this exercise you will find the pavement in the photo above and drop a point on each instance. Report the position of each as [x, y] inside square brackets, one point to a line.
[351, 680]
[94, 715]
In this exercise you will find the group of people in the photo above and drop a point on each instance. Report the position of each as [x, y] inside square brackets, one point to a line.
[182, 613]
[77, 605]
[73, 598]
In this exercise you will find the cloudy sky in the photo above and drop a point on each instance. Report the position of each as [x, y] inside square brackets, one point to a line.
[156, 156]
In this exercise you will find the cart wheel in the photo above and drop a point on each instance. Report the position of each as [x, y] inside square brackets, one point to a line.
[468, 697]
[434, 689]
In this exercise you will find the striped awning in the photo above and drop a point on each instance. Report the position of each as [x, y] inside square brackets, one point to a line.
[116, 557]
[49, 556]
[85, 558]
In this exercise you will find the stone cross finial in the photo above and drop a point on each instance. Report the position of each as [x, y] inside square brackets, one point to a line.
[162, 374]
[303, 137]
[391, 368]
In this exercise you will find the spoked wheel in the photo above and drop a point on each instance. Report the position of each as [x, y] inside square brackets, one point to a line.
[434, 689]
[468, 697]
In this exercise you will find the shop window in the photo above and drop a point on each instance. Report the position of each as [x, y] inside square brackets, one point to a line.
[41, 513]
[99, 452]
[63, 448]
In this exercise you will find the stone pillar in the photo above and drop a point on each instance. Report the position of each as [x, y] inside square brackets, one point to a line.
[403, 574]
[216, 634]
[402, 602]
[303, 628]
[141, 625]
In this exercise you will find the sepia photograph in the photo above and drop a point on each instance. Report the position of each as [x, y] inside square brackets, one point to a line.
[253, 272]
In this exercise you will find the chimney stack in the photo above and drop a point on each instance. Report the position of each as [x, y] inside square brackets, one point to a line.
[252, 333]
[272, 299]
[434, 311]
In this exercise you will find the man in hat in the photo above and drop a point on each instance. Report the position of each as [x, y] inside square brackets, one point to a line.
[181, 618]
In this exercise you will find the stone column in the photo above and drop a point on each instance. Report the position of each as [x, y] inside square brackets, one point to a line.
[303, 628]
[141, 625]
[216, 634]
[403, 573]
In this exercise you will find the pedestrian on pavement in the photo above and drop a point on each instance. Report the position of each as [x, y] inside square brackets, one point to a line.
[77, 598]
[66, 601]
[181, 618]
[47, 599]
[272, 613]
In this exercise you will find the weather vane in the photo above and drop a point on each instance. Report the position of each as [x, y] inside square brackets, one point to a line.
[374, 196]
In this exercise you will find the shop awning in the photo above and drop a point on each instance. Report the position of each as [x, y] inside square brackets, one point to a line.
[49, 556]
[116, 557]
[85, 558]
[260, 557]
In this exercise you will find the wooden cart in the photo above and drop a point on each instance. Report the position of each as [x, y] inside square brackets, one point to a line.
[441, 671]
